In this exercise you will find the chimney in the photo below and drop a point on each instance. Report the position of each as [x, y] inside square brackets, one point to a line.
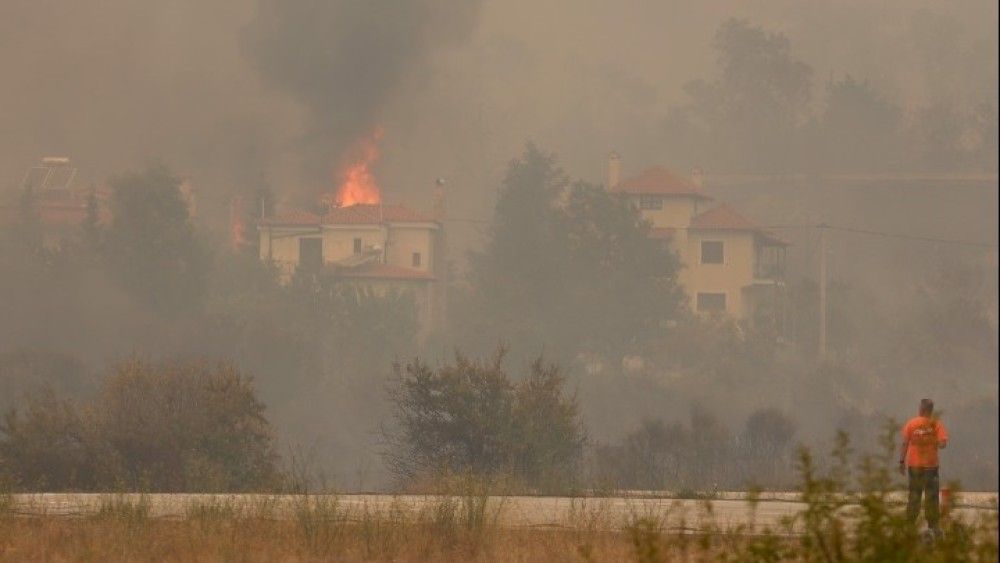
[697, 177]
[614, 169]
[439, 203]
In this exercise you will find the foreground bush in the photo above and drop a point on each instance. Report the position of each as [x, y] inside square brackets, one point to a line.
[172, 427]
[699, 455]
[471, 417]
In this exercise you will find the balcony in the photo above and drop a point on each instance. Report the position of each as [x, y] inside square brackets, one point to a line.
[769, 264]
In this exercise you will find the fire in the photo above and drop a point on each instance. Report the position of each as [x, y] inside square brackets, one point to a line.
[357, 182]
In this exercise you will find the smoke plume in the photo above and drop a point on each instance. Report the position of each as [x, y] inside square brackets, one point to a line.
[344, 60]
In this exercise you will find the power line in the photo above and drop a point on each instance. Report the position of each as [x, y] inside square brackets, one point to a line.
[854, 230]
[913, 237]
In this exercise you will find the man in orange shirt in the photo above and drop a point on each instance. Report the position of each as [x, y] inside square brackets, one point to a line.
[923, 436]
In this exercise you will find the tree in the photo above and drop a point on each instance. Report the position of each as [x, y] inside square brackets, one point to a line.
[767, 439]
[47, 446]
[753, 109]
[570, 268]
[470, 417]
[151, 244]
[859, 128]
[174, 427]
[660, 455]
[185, 427]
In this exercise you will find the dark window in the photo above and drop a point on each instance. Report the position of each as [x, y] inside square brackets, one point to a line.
[311, 253]
[711, 252]
[711, 302]
[357, 246]
[416, 259]
[650, 202]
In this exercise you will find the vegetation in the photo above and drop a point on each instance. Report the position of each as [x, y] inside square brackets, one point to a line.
[701, 456]
[471, 417]
[151, 247]
[846, 514]
[169, 427]
[757, 113]
[567, 268]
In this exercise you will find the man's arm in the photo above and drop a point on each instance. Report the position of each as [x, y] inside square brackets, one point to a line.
[902, 455]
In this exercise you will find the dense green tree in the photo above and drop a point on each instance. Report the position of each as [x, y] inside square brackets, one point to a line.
[568, 268]
[151, 243]
[473, 417]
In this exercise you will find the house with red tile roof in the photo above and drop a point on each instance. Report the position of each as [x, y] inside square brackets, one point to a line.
[386, 247]
[731, 265]
[60, 205]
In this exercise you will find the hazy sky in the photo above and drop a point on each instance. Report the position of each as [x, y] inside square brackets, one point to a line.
[116, 83]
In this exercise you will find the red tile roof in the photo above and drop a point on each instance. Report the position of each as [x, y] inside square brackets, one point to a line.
[293, 217]
[659, 181]
[367, 214]
[724, 218]
[385, 272]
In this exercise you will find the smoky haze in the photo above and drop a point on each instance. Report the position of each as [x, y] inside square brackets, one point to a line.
[881, 117]
[345, 61]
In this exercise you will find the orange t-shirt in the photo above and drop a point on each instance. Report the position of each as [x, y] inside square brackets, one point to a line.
[922, 435]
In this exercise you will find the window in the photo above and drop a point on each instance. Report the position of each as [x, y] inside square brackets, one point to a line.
[416, 259]
[357, 246]
[311, 253]
[711, 302]
[650, 202]
[712, 252]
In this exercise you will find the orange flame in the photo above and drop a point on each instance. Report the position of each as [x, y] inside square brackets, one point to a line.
[357, 182]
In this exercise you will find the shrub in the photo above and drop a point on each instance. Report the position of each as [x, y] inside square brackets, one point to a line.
[185, 427]
[470, 417]
[47, 445]
[171, 427]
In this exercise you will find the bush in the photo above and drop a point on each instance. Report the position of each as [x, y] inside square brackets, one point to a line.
[699, 456]
[470, 417]
[47, 446]
[171, 427]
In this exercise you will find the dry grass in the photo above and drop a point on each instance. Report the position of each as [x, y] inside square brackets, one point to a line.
[224, 536]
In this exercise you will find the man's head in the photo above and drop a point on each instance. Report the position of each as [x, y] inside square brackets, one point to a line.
[926, 407]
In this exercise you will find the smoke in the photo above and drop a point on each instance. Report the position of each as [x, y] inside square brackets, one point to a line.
[345, 60]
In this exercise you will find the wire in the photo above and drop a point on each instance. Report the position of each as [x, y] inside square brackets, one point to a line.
[854, 230]
[911, 237]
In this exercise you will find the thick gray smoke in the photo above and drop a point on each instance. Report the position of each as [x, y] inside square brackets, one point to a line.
[345, 60]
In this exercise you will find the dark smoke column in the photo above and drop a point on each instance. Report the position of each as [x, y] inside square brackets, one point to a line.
[346, 59]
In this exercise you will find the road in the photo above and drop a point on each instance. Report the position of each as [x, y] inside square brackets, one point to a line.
[726, 512]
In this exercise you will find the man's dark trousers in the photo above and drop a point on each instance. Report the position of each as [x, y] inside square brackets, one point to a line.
[924, 482]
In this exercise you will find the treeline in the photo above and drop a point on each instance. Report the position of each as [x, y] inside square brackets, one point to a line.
[152, 281]
[761, 112]
[200, 427]
[171, 427]
[567, 272]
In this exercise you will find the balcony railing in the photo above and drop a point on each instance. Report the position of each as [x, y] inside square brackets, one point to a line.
[769, 263]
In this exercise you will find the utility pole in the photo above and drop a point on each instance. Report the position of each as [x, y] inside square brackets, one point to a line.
[822, 291]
